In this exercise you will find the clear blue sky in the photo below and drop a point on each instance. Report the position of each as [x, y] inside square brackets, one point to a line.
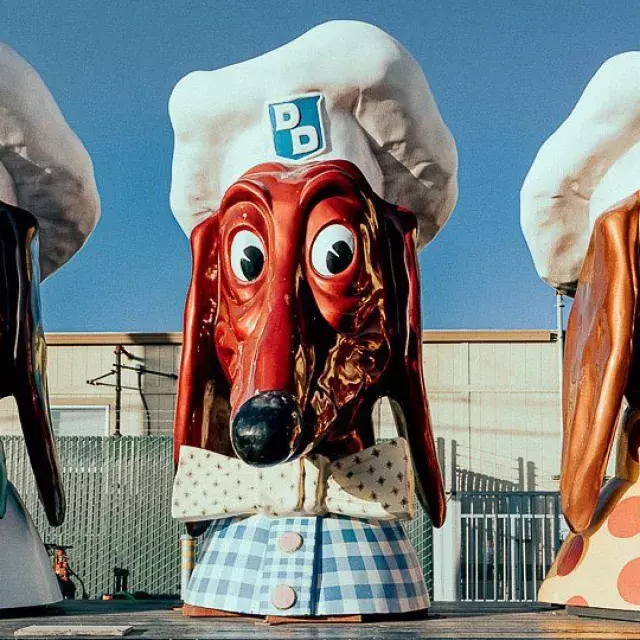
[504, 73]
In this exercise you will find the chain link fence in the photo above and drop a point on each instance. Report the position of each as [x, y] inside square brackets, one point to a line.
[119, 511]
[420, 532]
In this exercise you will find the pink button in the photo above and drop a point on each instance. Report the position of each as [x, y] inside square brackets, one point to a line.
[290, 541]
[283, 597]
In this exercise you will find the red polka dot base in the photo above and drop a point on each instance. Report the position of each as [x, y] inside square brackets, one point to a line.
[601, 566]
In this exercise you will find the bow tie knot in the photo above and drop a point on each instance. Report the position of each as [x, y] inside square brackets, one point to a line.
[376, 483]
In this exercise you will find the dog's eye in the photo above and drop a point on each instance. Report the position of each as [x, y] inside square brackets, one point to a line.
[247, 255]
[332, 250]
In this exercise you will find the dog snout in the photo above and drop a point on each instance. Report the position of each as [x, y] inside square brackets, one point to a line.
[268, 429]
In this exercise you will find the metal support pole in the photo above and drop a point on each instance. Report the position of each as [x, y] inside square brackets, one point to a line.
[187, 562]
[560, 338]
[521, 484]
[454, 467]
[560, 331]
[118, 372]
[441, 455]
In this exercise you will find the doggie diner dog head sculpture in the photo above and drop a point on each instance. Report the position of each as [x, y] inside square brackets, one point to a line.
[580, 214]
[304, 306]
[579, 217]
[48, 206]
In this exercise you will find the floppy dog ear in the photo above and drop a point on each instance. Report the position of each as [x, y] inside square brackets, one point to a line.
[407, 391]
[25, 352]
[598, 356]
[202, 406]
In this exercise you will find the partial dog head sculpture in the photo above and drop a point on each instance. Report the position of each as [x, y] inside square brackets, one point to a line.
[48, 207]
[580, 214]
[304, 305]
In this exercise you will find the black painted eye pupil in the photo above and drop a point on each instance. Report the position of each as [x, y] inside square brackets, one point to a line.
[252, 262]
[339, 257]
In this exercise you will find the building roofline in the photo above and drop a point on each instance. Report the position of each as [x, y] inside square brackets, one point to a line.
[112, 338]
[175, 337]
[489, 335]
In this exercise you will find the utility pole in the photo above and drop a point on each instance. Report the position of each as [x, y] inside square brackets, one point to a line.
[560, 332]
[118, 373]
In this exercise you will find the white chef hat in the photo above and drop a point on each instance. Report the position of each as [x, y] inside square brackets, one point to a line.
[589, 164]
[343, 90]
[44, 167]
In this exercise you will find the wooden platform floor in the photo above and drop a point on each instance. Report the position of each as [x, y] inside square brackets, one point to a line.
[160, 620]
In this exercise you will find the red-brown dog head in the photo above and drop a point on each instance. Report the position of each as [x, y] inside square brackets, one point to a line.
[303, 310]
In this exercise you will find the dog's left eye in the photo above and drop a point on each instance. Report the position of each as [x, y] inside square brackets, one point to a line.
[332, 250]
[247, 255]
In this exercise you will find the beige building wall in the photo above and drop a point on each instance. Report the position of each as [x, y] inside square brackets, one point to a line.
[73, 359]
[494, 396]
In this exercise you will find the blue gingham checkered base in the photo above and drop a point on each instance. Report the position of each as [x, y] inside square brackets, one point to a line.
[341, 566]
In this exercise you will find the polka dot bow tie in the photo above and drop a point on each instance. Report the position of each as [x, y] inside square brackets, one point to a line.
[376, 483]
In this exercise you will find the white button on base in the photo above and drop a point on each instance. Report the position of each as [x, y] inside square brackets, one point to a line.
[290, 541]
[283, 597]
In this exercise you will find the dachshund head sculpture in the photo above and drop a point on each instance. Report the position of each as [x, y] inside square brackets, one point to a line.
[304, 302]
[303, 311]
[49, 205]
[580, 217]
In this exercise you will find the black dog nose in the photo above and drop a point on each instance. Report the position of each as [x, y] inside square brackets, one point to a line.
[268, 429]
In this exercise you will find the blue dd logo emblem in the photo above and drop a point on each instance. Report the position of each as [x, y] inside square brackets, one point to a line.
[297, 127]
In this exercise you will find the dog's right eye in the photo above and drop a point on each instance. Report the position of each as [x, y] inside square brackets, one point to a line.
[247, 255]
[332, 250]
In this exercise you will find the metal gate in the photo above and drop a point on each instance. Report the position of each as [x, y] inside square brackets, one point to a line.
[508, 541]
